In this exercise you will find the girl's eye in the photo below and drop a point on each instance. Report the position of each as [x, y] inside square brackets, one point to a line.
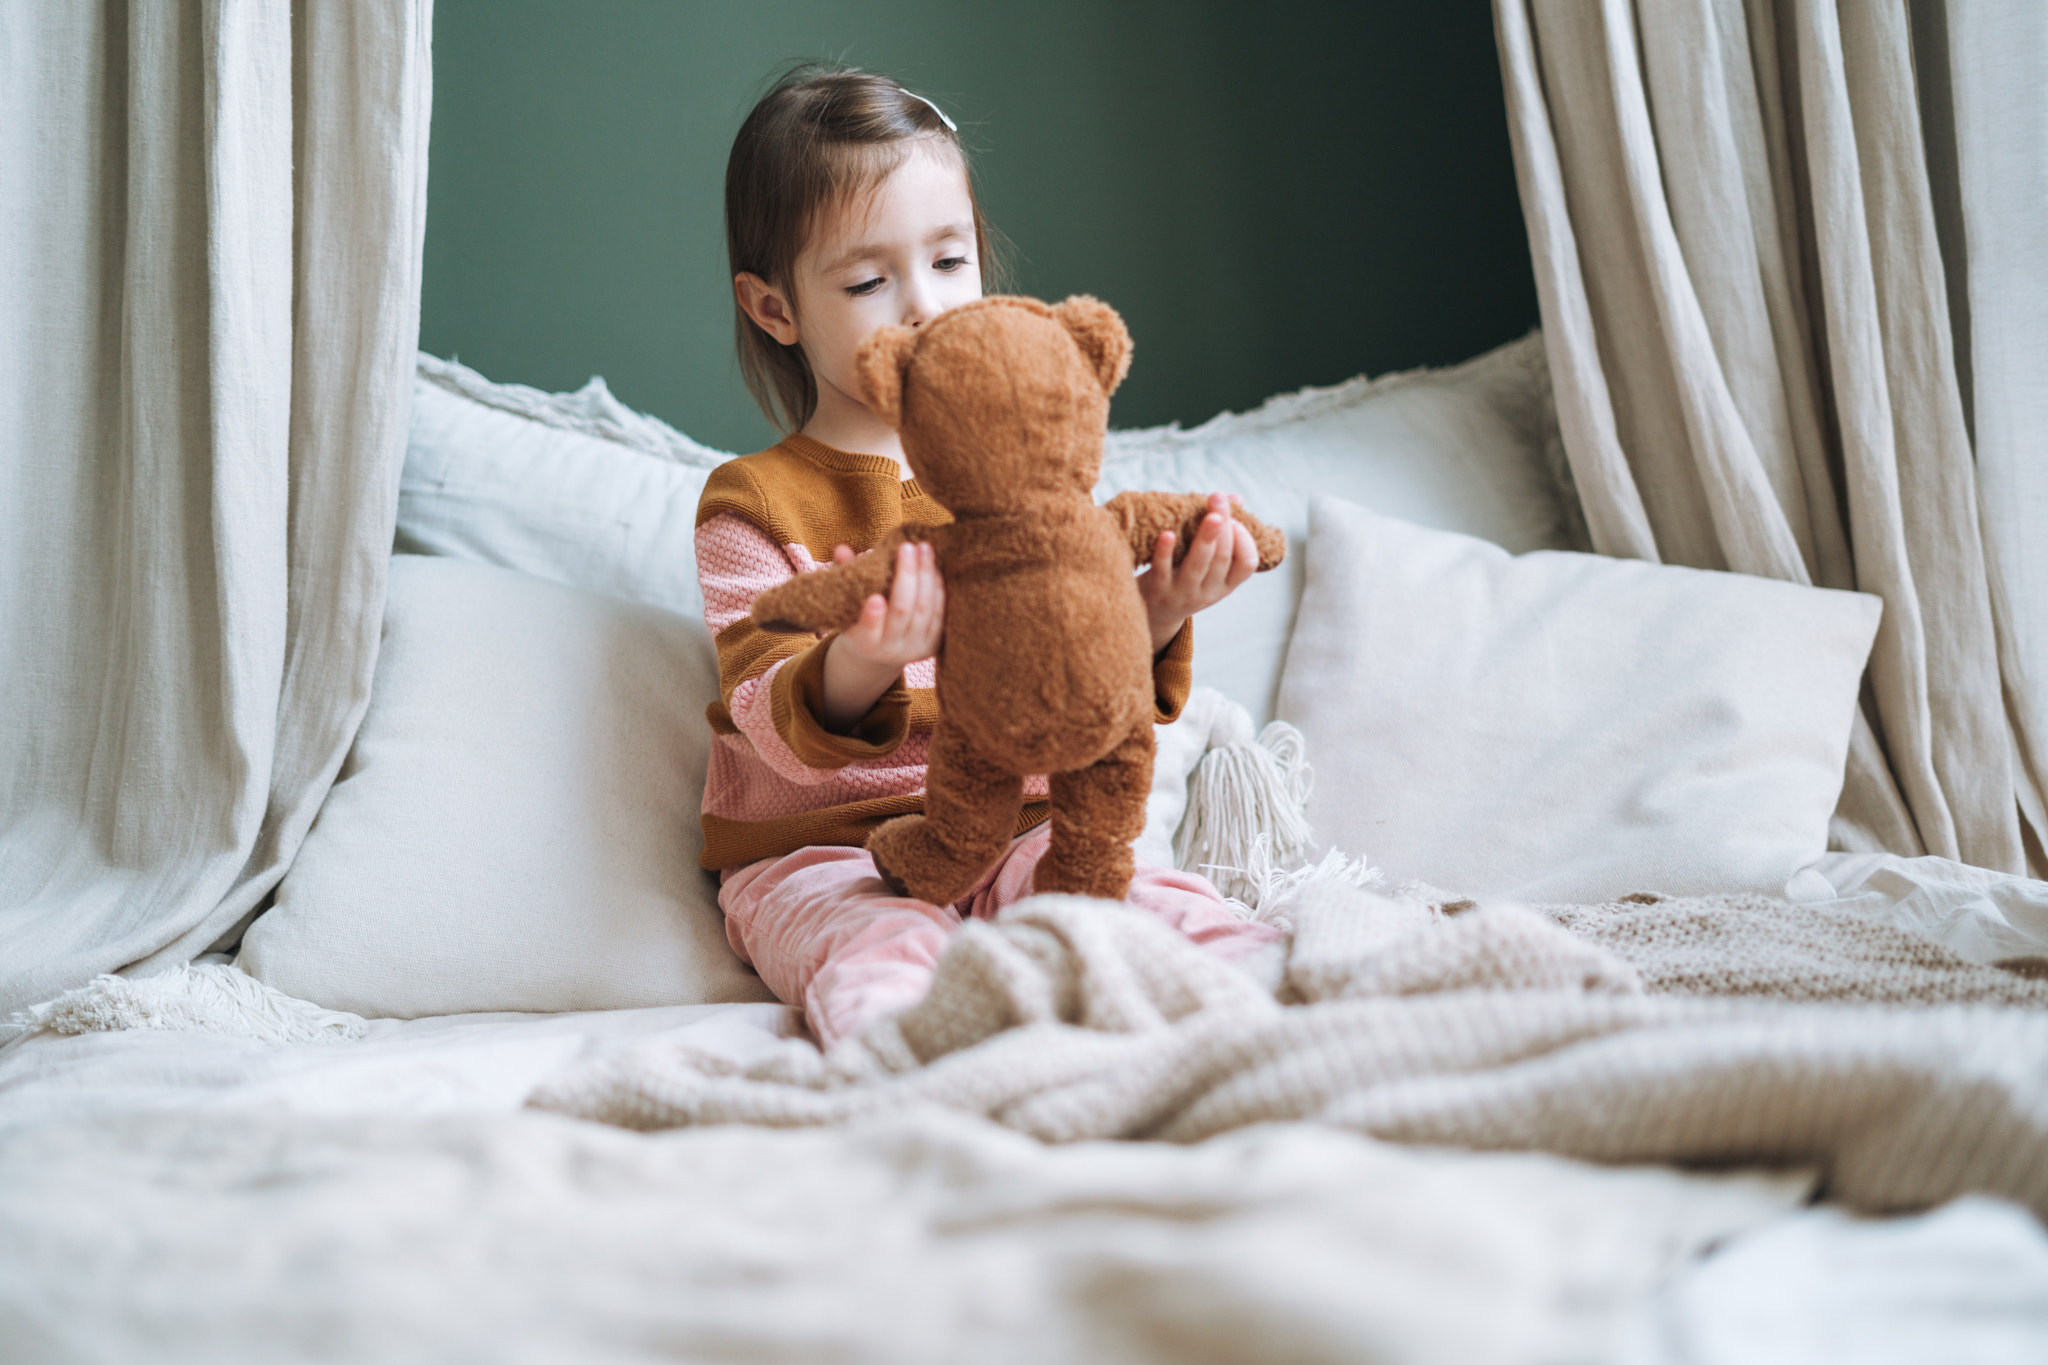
[864, 287]
[949, 264]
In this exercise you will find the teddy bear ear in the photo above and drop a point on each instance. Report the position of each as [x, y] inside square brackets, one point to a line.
[1100, 334]
[881, 361]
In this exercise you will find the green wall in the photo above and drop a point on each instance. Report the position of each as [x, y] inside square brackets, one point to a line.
[1273, 195]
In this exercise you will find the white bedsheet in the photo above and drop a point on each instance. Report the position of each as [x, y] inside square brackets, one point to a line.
[455, 1063]
[1964, 1285]
[1979, 915]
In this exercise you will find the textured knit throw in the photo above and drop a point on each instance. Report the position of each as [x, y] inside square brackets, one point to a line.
[1719, 1030]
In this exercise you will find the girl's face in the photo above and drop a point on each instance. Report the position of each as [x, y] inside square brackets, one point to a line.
[904, 255]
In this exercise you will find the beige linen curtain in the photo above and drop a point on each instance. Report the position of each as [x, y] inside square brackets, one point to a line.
[1993, 181]
[211, 216]
[1744, 303]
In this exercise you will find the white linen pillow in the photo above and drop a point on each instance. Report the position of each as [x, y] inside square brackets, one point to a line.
[575, 488]
[1567, 727]
[1471, 448]
[516, 826]
[579, 489]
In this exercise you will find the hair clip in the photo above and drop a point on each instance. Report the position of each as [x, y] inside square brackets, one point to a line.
[951, 126]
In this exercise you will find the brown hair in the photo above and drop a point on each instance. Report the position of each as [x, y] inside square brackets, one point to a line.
[820, 135]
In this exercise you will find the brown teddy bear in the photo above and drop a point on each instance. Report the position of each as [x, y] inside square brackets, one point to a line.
[1046, 665]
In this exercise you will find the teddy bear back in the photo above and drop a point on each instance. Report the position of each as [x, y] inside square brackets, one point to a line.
[1002, 403]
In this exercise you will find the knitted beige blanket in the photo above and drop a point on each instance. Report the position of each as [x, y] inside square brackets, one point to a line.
[1719, 1030]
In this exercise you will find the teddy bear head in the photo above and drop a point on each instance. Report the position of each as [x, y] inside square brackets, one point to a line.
[1000, 402]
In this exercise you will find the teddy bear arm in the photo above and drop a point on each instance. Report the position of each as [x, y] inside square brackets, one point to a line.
[829, 598]
[1144, 515]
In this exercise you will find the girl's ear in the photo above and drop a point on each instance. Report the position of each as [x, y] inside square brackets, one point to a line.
[880, 362]
[1100, 334]
[765, 307]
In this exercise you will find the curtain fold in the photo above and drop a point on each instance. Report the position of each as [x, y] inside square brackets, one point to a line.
[211, 222]
[1744, 301]
[1996, 53]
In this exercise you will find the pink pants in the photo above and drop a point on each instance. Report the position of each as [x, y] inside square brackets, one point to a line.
[821, 929]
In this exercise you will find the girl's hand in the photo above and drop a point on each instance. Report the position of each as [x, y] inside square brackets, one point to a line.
[1221, 557]
[866, 658]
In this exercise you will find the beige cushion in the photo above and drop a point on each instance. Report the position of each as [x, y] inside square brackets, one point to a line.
[516, 827]
[1470, 448]
[575, 488]
[1177, 748]
[1561, 726]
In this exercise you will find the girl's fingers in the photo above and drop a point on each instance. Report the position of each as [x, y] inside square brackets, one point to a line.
[899, 593]
[925, 642]
[919, 605]
[1215, 562]
[1162, 555]
[904, 589]
[867, 630]
[919, 616]
[903, 625]
[843, 555]
[921, 624]
[1245, 561]
[912, 613]
[1202, 554]
[1227, 548]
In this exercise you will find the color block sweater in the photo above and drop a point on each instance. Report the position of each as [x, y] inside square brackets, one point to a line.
[779, 780]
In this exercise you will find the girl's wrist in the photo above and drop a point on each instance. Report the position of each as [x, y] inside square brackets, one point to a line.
[852, 685]
[1163, 632]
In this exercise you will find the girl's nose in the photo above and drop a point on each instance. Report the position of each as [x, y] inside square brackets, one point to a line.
[919, 304]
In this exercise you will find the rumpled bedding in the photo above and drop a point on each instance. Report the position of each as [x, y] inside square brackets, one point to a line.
[178, 1197]
[1979, 915]
[1487, 1028]
[907, 1239]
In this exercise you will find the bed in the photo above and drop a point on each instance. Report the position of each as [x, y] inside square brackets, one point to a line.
[1698, 1094]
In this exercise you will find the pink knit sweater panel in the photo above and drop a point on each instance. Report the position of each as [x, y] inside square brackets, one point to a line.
[754, 775]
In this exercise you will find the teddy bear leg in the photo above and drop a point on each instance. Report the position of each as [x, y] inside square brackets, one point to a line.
[1096, 812]
[970, 813]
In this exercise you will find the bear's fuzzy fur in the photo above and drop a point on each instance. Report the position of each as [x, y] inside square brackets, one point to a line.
[1046, 665]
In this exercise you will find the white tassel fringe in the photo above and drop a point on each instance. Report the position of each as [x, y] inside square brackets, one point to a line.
[1246, 795]
[196, 997]
[1247, 827]
[1274, 887]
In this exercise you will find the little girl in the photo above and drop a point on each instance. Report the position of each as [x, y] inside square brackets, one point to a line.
[848, 206]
